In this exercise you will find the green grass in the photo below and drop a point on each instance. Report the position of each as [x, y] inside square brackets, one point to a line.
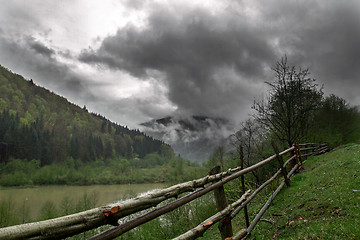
[321, 202]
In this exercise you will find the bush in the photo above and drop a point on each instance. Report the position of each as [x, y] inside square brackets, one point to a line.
[15, 179]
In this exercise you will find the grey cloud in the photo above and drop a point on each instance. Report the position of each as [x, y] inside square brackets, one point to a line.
[43, 68]
[127, 111]
[40, 48]
[18, 55]
[135, 4]
[324, 36]
[190, 48]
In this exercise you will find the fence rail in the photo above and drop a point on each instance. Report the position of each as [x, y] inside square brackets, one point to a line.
[74, 224]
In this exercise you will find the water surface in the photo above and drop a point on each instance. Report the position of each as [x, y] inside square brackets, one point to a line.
[33, 199]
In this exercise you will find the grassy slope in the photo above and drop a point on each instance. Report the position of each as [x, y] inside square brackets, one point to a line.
[321, 203]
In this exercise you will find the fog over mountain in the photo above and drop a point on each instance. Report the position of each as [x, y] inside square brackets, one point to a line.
[192, 137]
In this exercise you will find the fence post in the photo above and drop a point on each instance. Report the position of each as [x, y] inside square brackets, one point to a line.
[246, 215]
[225, 226]
[306, 151]
[283, 169]
[298, 154]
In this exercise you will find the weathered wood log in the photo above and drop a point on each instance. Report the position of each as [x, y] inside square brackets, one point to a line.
[202, 227]
[266, 220]
[77, 223]
[306, 144]
[308, 154]
[239, 235]
[287, 150]
[292, 171]
[117, 231]
[246, 214]
[269, 201]
[307, 148]
[298, 155]
[281, 162]
[44, 230]
[263, 209]
[322, 149]
[270, 180]
[289, 160]
[225, 226]
[267, 204]
[122, 228]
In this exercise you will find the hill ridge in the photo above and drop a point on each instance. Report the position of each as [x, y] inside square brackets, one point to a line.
[53, 129]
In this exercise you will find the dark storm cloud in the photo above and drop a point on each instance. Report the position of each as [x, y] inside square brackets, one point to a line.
[212, 62]
[190, 48]
[40, 48]
[33, 59]
[324, 35]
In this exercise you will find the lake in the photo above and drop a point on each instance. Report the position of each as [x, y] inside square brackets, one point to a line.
[34, 199]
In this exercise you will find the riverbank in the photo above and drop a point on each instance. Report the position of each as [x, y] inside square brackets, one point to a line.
[29, 173]
[21, 205]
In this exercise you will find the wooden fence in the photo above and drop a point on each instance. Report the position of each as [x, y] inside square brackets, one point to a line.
[74, 224]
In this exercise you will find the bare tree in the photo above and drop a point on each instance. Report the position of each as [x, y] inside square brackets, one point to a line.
[293, 96]
[249, 143]
[217, 158]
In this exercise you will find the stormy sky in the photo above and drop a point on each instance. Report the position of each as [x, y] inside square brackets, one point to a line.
[134, 60]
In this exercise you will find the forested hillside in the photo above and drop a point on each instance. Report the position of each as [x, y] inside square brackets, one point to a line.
[36, 124]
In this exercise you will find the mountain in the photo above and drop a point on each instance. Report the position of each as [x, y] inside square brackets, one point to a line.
[38, 124]
[193, 137]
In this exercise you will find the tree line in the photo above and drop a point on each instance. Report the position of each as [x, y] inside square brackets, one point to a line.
[35, 141]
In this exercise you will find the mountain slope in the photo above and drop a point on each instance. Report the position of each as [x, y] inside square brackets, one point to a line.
[38, 124]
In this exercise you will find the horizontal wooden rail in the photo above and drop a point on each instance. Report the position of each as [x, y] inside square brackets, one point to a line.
[307, 144]
[269, 201]
[239, 235]
[270, 180]
[252, 196]
[201, 228]
[118, 230]
[323, 148]
[314, 149]
[263, 209]
[77, 223]
[267, 204]
[307, 154]
[307, 148]
[287, 161]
